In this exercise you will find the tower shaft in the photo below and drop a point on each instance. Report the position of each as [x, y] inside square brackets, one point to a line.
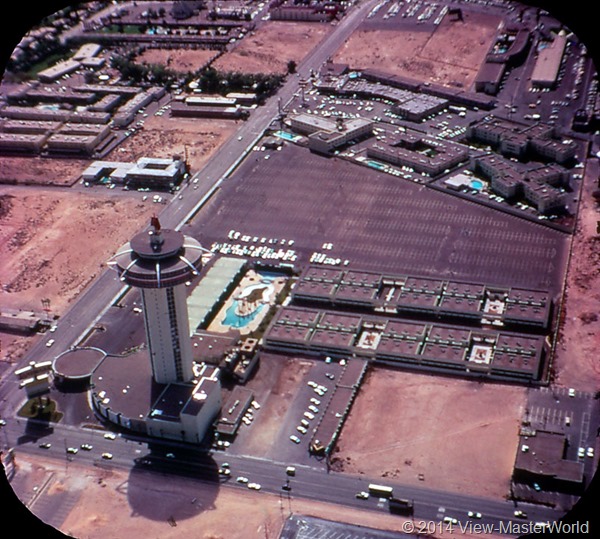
[168, 333]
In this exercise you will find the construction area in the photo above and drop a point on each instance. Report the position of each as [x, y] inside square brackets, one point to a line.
[271, 47]
[454, 435]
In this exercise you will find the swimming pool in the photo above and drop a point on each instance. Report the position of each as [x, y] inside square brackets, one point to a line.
[236, 321]
[284, 135]
[376, 165]
[476, 184]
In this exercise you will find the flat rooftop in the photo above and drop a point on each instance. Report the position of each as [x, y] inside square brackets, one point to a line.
[490, 352]
[400, 293]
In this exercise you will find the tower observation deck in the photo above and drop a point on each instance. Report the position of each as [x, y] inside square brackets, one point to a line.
[159, 262]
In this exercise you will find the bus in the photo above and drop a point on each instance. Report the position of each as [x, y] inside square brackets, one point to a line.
[381, 491]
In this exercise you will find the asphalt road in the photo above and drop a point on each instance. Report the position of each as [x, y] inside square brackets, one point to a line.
[309, 483]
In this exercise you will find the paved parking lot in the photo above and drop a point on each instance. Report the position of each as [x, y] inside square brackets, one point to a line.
[574, 413]
[283, 447]
[304, 527]
[379, 222]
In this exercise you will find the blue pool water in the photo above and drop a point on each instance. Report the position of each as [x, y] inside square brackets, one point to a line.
[233, 320]
[375, 164]
[284, 135]
[476, 184]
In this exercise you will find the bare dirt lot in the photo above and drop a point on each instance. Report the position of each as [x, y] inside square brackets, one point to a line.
[107, 503]
[270, 48]
[164, 137]
[180, 60]
[40, 170]
[576, 364]
[461, 435]
[46, 238]
[450, 55]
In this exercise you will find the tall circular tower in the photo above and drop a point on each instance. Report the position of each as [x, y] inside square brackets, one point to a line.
[159, 263]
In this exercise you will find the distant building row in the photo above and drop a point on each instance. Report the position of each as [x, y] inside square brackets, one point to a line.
[230, 106]
[40, 119]
[147, 172]
[315, 10]
[411, 98]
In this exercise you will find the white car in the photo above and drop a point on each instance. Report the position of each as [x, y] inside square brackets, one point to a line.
[254, 486]
[242, 479]
[590, 452]
[50, 343]
[473, 514]
[313, 409]
[301, 429]
[581, 452]
[110, 436]
[107, 456]
[295, 439]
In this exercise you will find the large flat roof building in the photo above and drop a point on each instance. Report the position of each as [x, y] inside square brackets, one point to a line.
[441, 299]
[547, 65]
[488, 353]
[518, 139]
[419, 151]
[325, 135]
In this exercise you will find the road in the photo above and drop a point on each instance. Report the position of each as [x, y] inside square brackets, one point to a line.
[309, 482]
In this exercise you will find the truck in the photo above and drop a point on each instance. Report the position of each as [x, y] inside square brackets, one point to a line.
[381, 491]
[401, 506]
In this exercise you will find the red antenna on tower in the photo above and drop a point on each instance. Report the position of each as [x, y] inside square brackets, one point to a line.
[155, 223]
